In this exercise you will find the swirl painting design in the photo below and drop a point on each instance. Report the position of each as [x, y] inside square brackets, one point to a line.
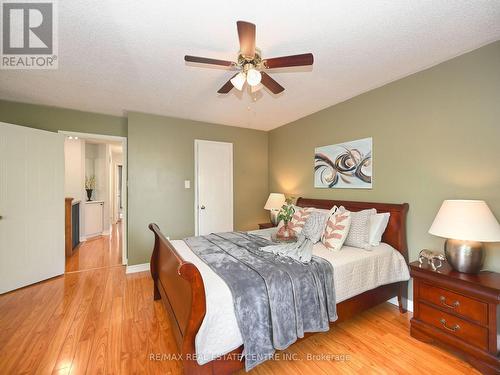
[344, 165]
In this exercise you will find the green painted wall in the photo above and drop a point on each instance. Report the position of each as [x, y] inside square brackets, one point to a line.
[161, 157]
[54, 119]
[436, 135]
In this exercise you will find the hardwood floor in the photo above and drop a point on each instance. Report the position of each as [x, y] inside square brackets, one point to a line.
[98, 252]
[103, 321]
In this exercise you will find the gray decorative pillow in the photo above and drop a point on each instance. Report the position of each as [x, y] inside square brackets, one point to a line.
[315, 226]
[359, 231]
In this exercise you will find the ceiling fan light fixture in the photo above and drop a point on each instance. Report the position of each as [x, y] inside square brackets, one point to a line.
[239, 80]
[253, 77]
[251, 67]
[256, 88]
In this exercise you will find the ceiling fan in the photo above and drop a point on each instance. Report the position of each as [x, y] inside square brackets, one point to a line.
[251, 65]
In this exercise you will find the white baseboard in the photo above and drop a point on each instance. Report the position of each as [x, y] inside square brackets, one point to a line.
[394, 301]
[137, 268]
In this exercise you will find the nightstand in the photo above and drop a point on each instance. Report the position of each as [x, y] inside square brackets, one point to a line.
[266, 225]
[458, 311]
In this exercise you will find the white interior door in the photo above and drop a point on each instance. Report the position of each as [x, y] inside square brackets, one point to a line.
[31, 206]
[214, 187]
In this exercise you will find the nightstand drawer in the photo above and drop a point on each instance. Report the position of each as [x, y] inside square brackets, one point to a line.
[452, 325]
[455, 303]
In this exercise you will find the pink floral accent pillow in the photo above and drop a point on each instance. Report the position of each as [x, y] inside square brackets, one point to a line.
[336, 230]
[299, 218]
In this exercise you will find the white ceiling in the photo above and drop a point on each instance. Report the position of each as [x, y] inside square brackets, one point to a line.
[127, 55]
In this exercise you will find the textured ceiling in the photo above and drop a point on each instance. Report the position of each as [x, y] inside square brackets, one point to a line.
[127, 55]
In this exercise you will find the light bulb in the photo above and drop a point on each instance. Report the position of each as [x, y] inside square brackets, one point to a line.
[253, 77]
[238, 80]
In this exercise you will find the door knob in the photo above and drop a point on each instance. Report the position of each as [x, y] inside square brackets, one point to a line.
[1, 217]
[202, 207]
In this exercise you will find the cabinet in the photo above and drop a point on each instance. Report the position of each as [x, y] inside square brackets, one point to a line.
[458, 311]
[94, 218]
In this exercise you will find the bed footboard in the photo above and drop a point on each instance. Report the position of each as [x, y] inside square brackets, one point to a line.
[180, 287]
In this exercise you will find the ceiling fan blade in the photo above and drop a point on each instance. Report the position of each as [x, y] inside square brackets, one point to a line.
[286, 61]
[271, 84]
[246, 33]
[205, 60]
[228, 86]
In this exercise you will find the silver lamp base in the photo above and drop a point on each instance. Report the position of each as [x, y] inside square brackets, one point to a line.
[464, 256]
[273, 216]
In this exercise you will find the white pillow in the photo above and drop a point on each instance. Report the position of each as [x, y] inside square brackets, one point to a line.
[359, 230]
[378, 223]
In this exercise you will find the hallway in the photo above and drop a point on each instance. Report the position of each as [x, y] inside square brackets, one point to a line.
[98, 252]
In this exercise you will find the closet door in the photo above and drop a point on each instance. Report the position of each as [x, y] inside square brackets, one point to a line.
[214, 187]
[31, 206]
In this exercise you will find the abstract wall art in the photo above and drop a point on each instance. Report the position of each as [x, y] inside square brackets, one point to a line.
[344, 165]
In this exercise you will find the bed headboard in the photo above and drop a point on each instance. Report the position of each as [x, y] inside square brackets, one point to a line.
[395, 233]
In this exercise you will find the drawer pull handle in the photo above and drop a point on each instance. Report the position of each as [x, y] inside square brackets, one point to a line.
[452, 306]
[455, 328]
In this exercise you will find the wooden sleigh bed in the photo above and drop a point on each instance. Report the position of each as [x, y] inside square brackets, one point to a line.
[179, 285]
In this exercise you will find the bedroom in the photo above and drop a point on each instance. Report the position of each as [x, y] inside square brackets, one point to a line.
[420, 80]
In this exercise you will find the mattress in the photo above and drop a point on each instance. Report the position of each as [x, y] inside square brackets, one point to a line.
[355, 271]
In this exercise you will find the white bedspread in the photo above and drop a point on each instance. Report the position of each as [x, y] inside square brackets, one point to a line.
[355, 271]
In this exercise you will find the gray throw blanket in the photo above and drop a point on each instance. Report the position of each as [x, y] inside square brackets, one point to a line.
[302, 249]
[276, 299]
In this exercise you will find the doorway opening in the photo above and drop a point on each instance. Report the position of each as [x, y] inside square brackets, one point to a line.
[96, 196]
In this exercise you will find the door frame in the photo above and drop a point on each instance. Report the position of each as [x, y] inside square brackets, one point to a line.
[197, 142]
[116, 208]
[123, 140]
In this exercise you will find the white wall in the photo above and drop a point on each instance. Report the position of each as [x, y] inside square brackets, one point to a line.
[74, 174]
[102, 169]
[97, 159]
[116, 159]
[74, 169]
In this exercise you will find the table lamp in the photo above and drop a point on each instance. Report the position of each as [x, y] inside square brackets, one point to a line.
[274, 204]
[465, 224]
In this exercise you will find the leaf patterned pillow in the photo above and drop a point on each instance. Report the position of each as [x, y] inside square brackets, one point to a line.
[336, 230]
[299, 218]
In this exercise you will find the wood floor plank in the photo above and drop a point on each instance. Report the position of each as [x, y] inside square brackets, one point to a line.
[115, 337]
[70, 344]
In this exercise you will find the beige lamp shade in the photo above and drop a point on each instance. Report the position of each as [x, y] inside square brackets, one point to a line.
[468, 220]
[275, 201]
